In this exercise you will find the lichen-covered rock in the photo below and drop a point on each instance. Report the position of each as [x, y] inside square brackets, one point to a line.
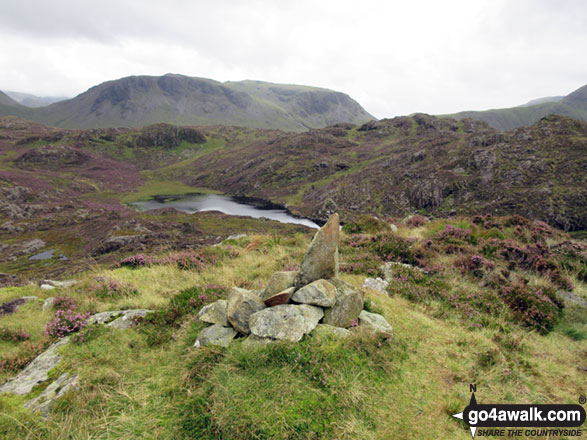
[348, 306]
[241, 304]
[282, 297]
[215, 335]
[256, 341]
[279, 282]
[121, 319]
[48, 303]
[375, 323]
[214, 313]
[36, 372]
[47, 399]
[321, 259]
[391, 268]
[330, 330]
[317, 293]
[376, 284]
[288, 321]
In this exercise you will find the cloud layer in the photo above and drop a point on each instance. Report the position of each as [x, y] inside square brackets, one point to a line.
[393, 57]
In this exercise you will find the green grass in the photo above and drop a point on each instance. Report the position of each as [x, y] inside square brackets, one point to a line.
[163, 187]
[323, 387]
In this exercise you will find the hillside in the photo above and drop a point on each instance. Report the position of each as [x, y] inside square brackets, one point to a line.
[143, 100]
[573, 105]
[30, 100]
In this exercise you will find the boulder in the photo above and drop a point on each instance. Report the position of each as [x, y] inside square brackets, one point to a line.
[37, 371]
[376, 284]
[215, 335]
[288, 321]
[391, 268]
[240, 306]
[321, 259]
[375, 323]
[348, 306]
[279, 282]
[214, 313]
[317, 293]
[280, 298]
[47, 399]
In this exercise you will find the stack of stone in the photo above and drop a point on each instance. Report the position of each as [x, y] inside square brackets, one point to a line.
[293, 303]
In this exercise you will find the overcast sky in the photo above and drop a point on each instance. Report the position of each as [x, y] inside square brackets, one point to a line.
[393, 57]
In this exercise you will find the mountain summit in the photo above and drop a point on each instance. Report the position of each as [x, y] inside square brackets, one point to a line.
[142, 100]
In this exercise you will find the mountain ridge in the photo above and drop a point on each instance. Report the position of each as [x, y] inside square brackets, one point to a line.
[573, 105]
[178, 99]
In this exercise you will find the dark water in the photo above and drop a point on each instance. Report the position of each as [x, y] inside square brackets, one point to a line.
[46, 255]
[226, 204]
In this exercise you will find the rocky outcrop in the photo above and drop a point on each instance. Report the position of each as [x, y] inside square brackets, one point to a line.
[36, 372]
[47, 399]
[287, 321]
[12, 306]
[321, 259]
[120, 319]
[377, 284]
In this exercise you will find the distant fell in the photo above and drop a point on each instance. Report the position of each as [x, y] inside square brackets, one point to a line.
[142, 100]
[30, 100]
[573, 105]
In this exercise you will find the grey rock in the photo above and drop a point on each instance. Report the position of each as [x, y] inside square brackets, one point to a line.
[570, 298]
[31, 246]
[279, 282]
[317, 293]
[330, 330]
[375, 323]
[47, 399]
[287, 321]
[54, 283]
[214, 313]
[48, 303]
[37, 371]
[215, 335]
[349, 303]
[121, 319]
[376, 284]
[47, 287]
[280, 298]
[321, 259]
[241, 305]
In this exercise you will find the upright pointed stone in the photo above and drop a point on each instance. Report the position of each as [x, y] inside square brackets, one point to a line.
[321, 259]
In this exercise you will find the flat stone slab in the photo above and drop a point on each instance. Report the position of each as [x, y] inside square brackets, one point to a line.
[121, 319]
[215, 335]
[280, 298]
[287, 321]
[37, 371]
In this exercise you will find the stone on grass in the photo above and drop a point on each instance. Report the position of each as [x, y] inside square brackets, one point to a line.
[288, 321]
[375, 323]
[256, 341]
[330, 330]
[280, 298]
[128, 318]
[214, 313]
[321, 259]
[317, 293]
[376, 284]
[215, 335]
[47, 399]
[241, 305]
[393, 268]
[279, 282]
[48, 303]
[37, 371]
[349, 303]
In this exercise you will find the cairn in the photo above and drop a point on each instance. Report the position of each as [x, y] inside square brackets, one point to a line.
[293, 304]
